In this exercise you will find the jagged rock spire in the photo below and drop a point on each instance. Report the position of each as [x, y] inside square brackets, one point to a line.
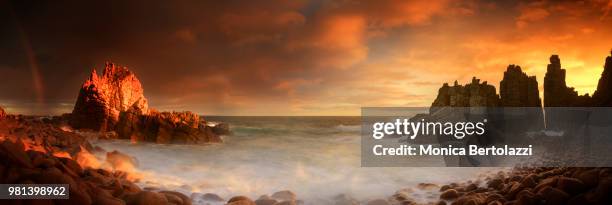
[102, 98]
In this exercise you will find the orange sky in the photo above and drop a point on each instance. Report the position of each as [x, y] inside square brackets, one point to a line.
[316, 57]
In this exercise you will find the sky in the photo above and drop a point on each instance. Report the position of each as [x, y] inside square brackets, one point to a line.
[291, 57]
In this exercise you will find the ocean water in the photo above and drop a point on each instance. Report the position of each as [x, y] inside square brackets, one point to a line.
[318, 158]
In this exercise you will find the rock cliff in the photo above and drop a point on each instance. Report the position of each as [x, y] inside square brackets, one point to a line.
[102, 98]
[519, 90]
[2, 113]
[475, 94]
[603, 95]
[556, 92]
[115, 102]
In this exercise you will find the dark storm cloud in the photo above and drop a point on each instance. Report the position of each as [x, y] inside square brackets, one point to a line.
[285, 57]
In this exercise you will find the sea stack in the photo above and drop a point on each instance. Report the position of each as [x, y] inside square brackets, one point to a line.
[519, 90]
[475, 94]
[556, 92]
[115, 102]
[102, 98]
[602, 97]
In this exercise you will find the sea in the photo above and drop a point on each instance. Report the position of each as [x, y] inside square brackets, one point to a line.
[317, 158]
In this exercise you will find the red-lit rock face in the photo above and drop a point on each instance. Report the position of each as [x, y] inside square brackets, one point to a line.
[2, 113]
[102, 98]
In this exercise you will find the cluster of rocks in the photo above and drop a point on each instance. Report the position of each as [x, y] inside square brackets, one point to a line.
[534, 186]
[287, 197]
[166, 128]
[34, 152]
[517, 89]
[475, 94]
[114, 101]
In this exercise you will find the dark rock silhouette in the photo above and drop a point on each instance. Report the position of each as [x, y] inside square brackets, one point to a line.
[519, 90]
[475, 94]
[102, 98]
[556, 92]
[165, 128]
[603, 95]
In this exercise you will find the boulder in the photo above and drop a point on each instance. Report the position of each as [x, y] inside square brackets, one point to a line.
[265, 200]
[146, 198]
[570, 185]
[553, 196]
[285, 195]
[102, 98]
[240, 200]
[212, 197]
[449, 194]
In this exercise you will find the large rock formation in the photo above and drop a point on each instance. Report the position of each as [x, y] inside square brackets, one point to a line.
[115, 102]
[603, 95]
[165, 128]
[102, 98]
[556, 92]
[519, 90]
[2, 113]
[475, 94]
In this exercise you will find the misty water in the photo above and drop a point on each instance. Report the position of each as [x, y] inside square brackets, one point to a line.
[317, 158]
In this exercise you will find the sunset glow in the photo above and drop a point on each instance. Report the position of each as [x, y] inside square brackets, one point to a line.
[294, 57]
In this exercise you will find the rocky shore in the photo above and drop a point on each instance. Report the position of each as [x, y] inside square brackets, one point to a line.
[532, 186]
[35, 152]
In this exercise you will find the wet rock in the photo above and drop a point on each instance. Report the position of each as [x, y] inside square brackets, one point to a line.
[445, 187]
[284, 195]
[493, 197]
[589, 177]
[15, 152]
[165, 127]
[570, 185]
[529, 181]
[240, 200]
[378, 202]
[548, 182]
[449, 194]
[212, 197]
[496, 183]
[526, 197]
[221, 129]
[553, 196]
[286, 203]
[265, 200]
[146, 198]
[603, 190]
[119, 160]
[344, 199]
[176, 197]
